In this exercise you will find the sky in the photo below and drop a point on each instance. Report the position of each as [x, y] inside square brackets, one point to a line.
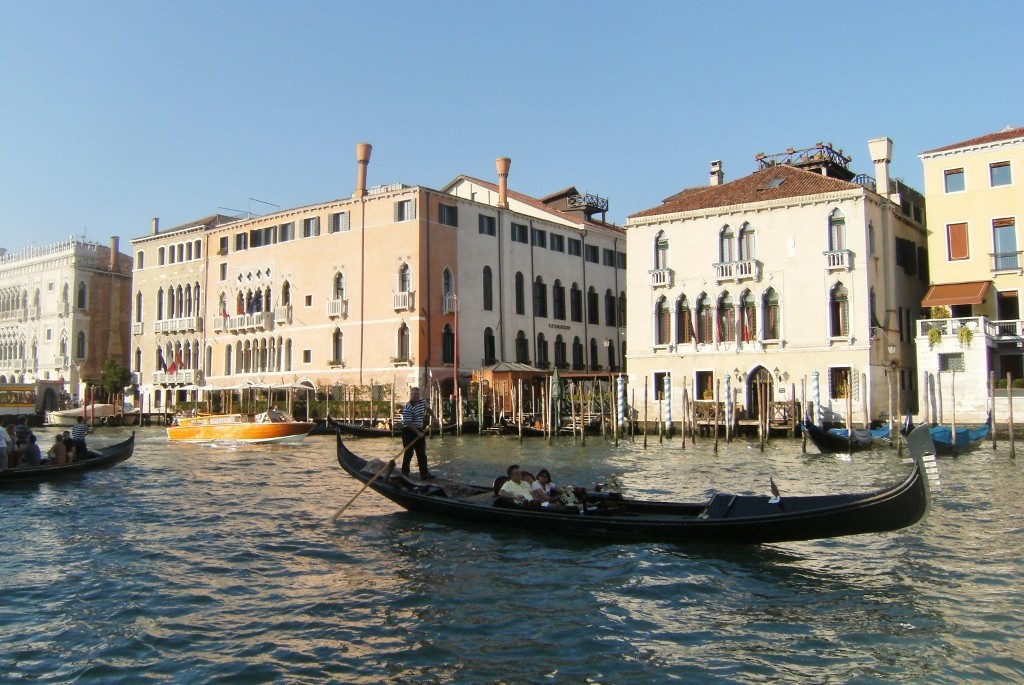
[112, 113]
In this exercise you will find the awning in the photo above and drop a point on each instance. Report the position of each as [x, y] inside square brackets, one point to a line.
[947, 294]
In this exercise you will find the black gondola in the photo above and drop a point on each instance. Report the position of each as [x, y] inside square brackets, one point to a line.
[361, 431]
[723, 519]
[967, 437]
[103, 458]
[837, 440]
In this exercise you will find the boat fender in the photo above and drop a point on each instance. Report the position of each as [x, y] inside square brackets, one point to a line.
[103, 421]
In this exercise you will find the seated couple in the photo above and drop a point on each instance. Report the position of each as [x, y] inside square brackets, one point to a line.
[521, 486]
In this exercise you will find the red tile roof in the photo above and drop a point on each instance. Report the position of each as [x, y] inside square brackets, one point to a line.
[1005, 134]
[773, 183]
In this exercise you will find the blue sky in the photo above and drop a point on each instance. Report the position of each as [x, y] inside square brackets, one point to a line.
[112, 113]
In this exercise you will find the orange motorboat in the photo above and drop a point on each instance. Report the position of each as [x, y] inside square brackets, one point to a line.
[268, 427]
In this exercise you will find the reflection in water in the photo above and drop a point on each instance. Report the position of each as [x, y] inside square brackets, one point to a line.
[195, 564]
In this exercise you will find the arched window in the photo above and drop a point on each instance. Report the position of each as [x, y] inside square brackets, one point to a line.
[725, 245]
[286, 293]
[726, 318]
[489, 354]
[402, 344]
[612, 365]
[337, 346]
[160, 256]
[685, 333]
[447, 282]
[705, 320]
[140, 260]
[404, 278]
[745, 244]
[339, 286]
[81, 301]
[836, 231]
[187, 301]
[138, 307]
[560, 356]
[576, 304]
[558, 300]
[80, 346]
[542, 351]
[594, 360]
[160, 304]
[520, 294]
[661, 251]
[488, 289]
[839, 311]
[447, 345]
[770, 302]
[540, 298]
[577, 353]
[138, 360]
[662, 321]
[622, 309]
[522, 348]
[609, 308]
[593, 310]
[748, 316]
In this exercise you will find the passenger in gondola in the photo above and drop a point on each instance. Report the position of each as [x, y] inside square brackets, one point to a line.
[69, 446]
[6, 447]
[543, 488]
[13, 453]
[31, 457]
[515, 488]
[58, 453]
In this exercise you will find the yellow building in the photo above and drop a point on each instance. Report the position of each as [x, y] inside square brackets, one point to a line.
[975, 200]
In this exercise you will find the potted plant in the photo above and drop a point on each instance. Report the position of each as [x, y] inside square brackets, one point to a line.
[934, 337]
[965, 334]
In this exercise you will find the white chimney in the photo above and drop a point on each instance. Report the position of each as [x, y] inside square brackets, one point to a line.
[717, 175]
[503, 164]
[156, 225]
[881, 155]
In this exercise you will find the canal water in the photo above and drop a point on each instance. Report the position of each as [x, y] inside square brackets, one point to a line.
[198, 564]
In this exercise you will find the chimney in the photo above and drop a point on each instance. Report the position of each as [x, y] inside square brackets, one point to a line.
[156, 225]
[717, 175]
[881, 155]
[363, 157]
[503, 164]
[115, 243]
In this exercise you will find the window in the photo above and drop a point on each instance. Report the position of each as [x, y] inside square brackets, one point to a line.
[557, 243]
[223, 271]
[1004, 238]
[160, 256]
[748, 317]
[522, 348]
[609, 308]
[575, 247]
[404, 279]
[839, 311]
[746, 243]
[286, 232]
[448, 214]
[592, 254]
[999, 174]
[140, 260]
[577, 353]
[576, 304]
[542, 351]
[662, 321]
[489, 357]
[308, 300]
[608, 257]
[80, 347]
[956, 242]
[340, 221]
[593, 312]
[951, 362]
[620, 260]
[488, 290]
[705, 320]
[558, 300]
[222, 248]
[339, 286]
[307, 356]
[241, 241]
[539, 238]
[684, 321]
[659, 384]
[954, 180]
[256, 237]
[447, 345]
[311, 227]
[81, 300]
[594, 365]
[836, 231]
[337, 346]
[488, 225]
[402, 343]
[661, 251]
[520, 233]
[839, 383]
[540, 298]
[726, 318]
[560, 352]
[725, 245]
[405, 210]
[447, 282]
[520, 294]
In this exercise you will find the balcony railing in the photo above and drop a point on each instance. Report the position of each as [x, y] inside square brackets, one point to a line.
[448, 304]
[137, 328]
[1006, 261]
[283, 314]
[33, 312]
[260, 321]
[18, 365]
[405, 300]
[60, 361]
[839, 260]
[183, 377]
[186, 323]
[661, 278]
[337, 308]
[747, 269]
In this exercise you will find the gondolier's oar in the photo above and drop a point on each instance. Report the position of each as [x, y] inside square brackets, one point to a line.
[384, 469]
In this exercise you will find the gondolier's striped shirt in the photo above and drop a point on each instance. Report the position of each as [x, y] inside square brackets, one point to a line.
[413, 413]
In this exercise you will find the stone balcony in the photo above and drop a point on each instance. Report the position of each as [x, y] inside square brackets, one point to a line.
[185, 324]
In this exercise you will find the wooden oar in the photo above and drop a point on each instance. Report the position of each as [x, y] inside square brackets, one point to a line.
[384, 469]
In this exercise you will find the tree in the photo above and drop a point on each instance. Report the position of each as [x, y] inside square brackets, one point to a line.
[114, 378]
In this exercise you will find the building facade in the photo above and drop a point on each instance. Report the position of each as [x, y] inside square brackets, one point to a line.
[397, 284]
[975, 201]
[64, 311]
[799, 281]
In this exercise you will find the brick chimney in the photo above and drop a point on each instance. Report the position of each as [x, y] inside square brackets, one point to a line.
[503, 164]
[115, 243]
[717, 175]
[156, 225]
[363, 158]
[881, 155]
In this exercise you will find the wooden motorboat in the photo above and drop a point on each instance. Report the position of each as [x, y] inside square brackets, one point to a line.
[101, 458]
[723, 519]
[247, 428]
[842, 441]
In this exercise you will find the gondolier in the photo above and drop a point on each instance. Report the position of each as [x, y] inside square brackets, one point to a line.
[415, 414]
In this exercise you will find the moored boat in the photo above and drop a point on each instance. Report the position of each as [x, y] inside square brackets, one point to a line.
[104, 414]
[101, 458]
[842, 441]
[722, 519]
[967, 437]
[246, 428]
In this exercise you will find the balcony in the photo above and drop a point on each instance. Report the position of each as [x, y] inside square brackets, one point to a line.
[179, 325]
[218, 323]
[405, 301]
[402, 361]
[1005, 261]
[60, 361]
[10, 315]
[283, 314]
[137, 328]
[743, 270]
[447, 304]
[33, 312]
[661, 278]
[838, 260]
[259, 321]
[337, 308]
[183, 377]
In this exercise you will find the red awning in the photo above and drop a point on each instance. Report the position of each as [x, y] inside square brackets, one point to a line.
[956, 293]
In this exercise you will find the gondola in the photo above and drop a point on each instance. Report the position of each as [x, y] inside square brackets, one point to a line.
[839, 440]
[967, 438]
[103, 458]
[361, 431]
[722, 519]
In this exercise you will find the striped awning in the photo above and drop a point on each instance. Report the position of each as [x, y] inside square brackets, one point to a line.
[948, 294]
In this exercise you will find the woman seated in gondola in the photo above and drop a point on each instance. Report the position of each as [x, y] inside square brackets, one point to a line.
[543, 488]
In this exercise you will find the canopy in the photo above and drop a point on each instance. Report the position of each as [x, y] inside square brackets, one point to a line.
[945, 294]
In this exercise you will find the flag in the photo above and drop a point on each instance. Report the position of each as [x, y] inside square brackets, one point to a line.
[172, 369]
[177, 360]
[160, 361]
[241, 307]
[224, 309]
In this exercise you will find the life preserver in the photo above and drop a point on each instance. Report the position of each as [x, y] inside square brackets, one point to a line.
[103, 421]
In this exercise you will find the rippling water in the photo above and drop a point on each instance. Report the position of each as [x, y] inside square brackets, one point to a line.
[199, 564]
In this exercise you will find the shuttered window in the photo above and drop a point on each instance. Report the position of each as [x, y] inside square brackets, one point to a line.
[956, 240]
